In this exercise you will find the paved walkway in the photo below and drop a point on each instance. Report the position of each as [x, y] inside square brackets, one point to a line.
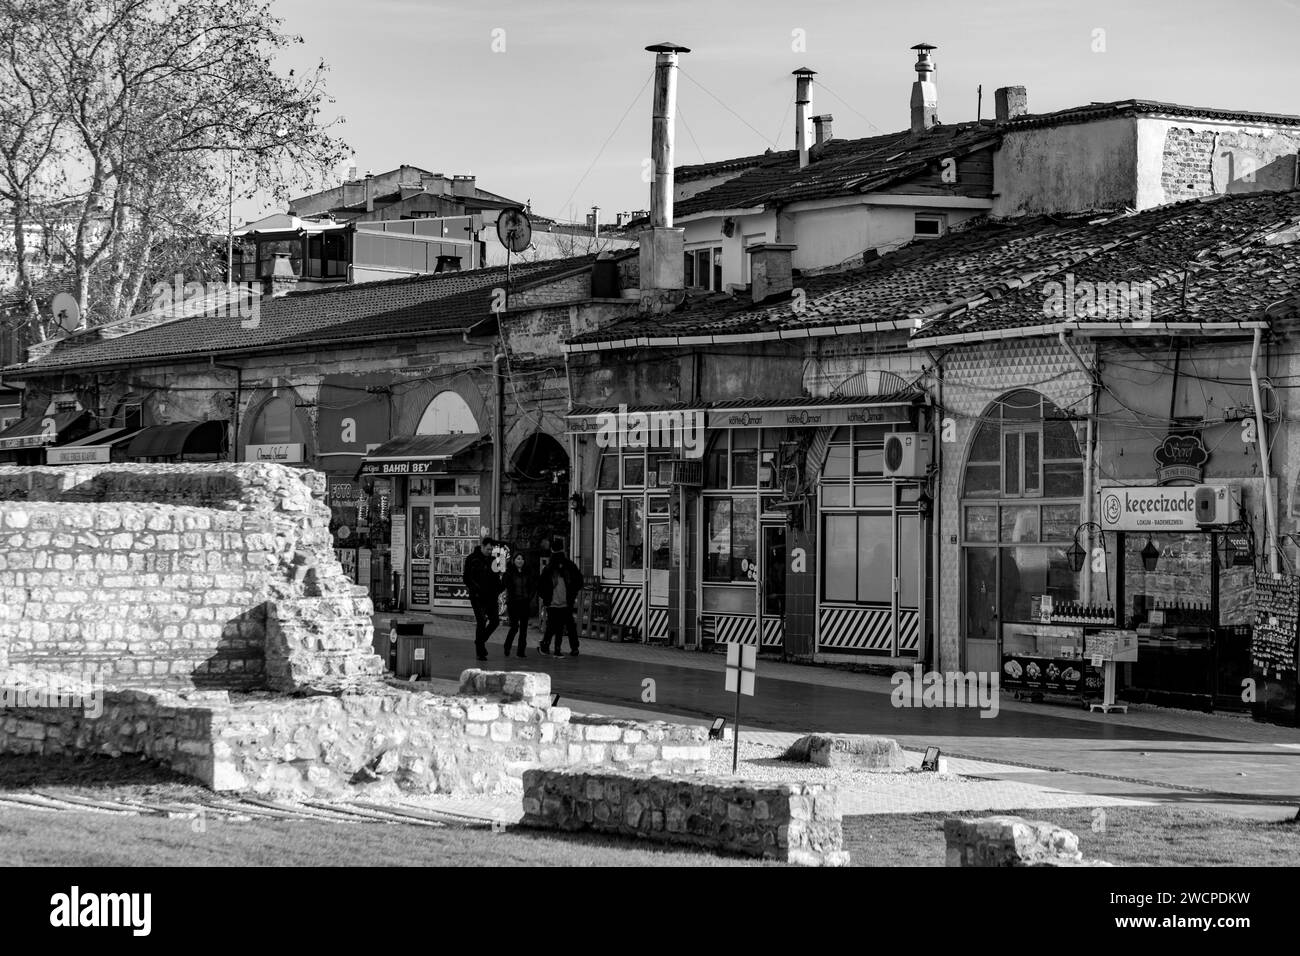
[1227, 762]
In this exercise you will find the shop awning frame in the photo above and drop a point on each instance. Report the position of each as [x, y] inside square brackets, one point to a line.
[418, 454]
[98, 445]
[178, 439]
[774, 413]
[32, 431]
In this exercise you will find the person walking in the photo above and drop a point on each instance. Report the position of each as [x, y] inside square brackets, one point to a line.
[521, 591]
[484, 587]
[559, 589]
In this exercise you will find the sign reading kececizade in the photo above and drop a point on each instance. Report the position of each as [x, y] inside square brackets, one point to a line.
[1151, 509]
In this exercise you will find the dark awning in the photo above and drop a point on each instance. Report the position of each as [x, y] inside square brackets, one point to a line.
[417, 454]
[179, 438]
[93, 448]
[34, 432]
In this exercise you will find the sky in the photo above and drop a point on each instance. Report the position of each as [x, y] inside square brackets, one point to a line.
[548, 101]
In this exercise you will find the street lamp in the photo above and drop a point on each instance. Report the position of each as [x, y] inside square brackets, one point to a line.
[1076, 553]
[1150, 555]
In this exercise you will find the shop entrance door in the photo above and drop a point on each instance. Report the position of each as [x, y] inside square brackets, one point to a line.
[420, 549]
[980, 607]
[773, 571]
[661, 563]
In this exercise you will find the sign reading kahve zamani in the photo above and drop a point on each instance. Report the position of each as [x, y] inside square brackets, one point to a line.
[684, 427]
[286, 452]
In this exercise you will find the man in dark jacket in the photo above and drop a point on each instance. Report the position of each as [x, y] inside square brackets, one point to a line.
[483, 586]
[559, 587]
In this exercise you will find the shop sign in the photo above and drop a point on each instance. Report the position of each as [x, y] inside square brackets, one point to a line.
[289, 453]
[409, 467]
[78, 456]
[1180, 458]
[1149, 509]
[814, 417]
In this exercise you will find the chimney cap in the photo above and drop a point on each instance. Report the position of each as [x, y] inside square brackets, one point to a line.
[803, 71]
[823, 118]
[667, 47]
[924, 46]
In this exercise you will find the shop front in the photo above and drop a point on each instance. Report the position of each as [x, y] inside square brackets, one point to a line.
[430, 496]
[25, 442]
[789, 528]
[1185, 567]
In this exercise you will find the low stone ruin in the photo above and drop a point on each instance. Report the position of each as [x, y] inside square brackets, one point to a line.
[791, 822]
[196, 615]
[1011, 841]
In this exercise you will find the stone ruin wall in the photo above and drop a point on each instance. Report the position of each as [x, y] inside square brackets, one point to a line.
[216, 576]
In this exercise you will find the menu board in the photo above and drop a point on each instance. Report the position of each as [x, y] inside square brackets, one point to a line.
[1277, 610]
[1112, 645]
[455, 535]
[420, 555]
[1046, 657]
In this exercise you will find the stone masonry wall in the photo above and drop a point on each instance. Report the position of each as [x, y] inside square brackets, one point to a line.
[387, 741]
[792, 822]
[215, 575]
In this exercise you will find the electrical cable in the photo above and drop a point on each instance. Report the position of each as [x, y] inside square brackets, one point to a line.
[726, 107]
[612, 134]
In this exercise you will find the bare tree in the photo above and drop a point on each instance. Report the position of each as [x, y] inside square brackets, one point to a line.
[133, 111]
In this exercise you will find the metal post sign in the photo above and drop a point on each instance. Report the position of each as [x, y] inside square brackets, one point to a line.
[741, 662]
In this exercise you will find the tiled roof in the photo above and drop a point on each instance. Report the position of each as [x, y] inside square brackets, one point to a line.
[842, 167]
[966, 281]
[847, 167]
[369, 311]
[1094, 111]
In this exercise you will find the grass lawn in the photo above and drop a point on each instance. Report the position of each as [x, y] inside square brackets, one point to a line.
[1132, 836]
[1138, 836]
[40, 838]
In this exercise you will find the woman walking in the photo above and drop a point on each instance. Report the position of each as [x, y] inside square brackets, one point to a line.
[521, 590]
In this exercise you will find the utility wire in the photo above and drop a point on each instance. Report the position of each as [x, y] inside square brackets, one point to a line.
[726, 107]
[823, 86]
[612, 134]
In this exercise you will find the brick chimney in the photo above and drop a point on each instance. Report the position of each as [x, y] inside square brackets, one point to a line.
[770, 270]
[370, 191]
[822, 130]
[925, 95]
[1010, 102]
[802, 107]
[662, 256]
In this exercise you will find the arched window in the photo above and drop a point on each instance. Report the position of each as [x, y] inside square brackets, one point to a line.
[1021, 501]
[447, 414]
[277, 423]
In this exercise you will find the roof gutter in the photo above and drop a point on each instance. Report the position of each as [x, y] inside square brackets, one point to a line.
[1092, 328]
[811, 332]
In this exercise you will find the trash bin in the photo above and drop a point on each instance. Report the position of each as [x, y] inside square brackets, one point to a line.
[399, 651]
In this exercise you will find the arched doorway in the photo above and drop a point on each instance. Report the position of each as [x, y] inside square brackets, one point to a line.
[277, 431]
[1022, 492]
[536, 493]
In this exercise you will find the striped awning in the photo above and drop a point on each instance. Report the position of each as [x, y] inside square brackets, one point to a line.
[37, 431]
[94, 448]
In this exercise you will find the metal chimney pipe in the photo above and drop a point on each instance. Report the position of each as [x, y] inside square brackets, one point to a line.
[661, 136]
[925, 95]
[802, 111]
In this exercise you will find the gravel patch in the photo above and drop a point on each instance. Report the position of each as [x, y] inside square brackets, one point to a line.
[907, 791]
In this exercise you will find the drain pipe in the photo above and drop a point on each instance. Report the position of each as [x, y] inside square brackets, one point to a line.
[936, 536]
[1270, 506]
[1088, 454]
[498, 436]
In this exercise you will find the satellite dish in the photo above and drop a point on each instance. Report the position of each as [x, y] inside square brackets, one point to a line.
[66, 311]
[514, 230]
